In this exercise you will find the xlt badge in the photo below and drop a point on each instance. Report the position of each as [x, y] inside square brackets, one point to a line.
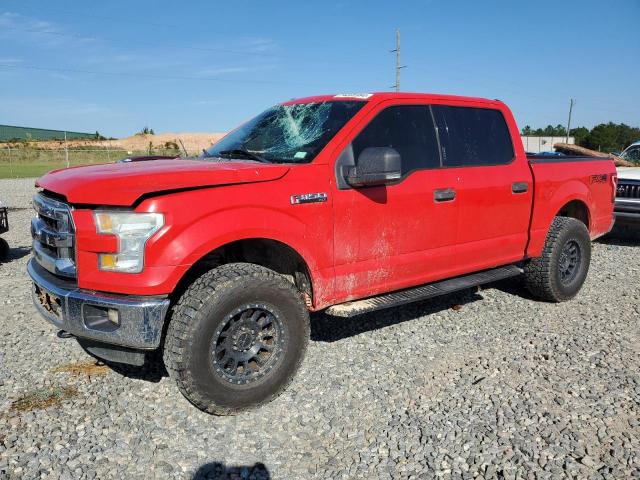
[308, 198]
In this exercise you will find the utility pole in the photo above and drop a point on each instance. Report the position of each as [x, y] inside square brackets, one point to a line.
[66, 150]
[10, 162]
[569, 122]
[398, 66]
[185, 150]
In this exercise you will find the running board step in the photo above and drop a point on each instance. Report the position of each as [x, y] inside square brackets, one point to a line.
[387, 300]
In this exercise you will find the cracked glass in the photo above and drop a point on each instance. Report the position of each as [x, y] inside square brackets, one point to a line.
[293, 133]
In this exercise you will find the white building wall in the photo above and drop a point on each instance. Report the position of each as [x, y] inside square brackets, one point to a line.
[543, 144]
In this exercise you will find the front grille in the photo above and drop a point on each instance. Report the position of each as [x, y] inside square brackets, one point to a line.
[53, 236]
[628, 189]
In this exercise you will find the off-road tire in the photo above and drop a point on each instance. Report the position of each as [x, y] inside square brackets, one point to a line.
[4, 250]
[543, 275]
[196, 319]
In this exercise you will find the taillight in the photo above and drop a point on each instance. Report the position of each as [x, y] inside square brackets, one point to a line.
[614, 187]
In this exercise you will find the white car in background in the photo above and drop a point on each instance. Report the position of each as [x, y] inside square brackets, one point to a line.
[632, 153]
[627, 207]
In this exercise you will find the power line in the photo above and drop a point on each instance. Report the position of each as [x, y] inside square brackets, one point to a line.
[50, 32]
[180, 47]
[229, 81]
[133, 74]
[449, 73]
[610, 109]
[85, 16]
[156, 76]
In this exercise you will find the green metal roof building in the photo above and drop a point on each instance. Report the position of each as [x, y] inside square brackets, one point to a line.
[9, 132]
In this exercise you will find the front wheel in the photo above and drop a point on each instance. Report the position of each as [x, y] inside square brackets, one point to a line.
[236, 338]
[558, 274]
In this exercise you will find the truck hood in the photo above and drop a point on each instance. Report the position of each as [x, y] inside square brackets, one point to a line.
[124, 183]
[629, 173]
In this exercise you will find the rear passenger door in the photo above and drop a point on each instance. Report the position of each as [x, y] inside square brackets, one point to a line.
[494, 189]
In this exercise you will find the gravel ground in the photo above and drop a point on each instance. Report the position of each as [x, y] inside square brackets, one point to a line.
[487, 384]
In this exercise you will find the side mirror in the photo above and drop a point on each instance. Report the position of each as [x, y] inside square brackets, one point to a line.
[376, 166]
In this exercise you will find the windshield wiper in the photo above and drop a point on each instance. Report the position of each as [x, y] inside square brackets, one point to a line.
[245, 153]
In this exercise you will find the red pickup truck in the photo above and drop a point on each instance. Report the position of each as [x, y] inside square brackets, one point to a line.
[348, 203]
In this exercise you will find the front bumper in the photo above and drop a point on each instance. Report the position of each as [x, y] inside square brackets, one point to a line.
[627, 212]
[140, 319]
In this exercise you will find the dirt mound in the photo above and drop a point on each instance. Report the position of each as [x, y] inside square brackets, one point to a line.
[193, 142]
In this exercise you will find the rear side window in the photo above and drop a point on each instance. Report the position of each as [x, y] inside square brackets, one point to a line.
[407, 128]
[473, 136]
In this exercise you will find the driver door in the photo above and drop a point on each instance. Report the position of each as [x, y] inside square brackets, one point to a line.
[398, 235]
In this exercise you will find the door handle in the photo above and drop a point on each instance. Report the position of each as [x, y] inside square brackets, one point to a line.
[444, 195]
[519, 187]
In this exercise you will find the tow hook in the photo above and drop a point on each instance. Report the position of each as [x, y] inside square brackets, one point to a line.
[64, 334]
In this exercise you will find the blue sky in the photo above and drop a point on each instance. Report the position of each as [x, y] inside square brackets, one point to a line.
[197, 66]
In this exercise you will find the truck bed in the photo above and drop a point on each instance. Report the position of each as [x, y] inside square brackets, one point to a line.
[584, 183]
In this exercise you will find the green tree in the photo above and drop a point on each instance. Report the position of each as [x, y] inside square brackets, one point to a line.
[607, 137]
[551, 131]
[548, 131]
[580, 134]
[146, 131]
[611, 137]
[628, 135]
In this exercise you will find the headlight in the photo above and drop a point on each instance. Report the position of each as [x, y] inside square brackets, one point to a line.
[132, 230]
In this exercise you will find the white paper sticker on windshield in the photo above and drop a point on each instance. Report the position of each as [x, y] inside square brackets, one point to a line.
[353, 95]
[300, 155]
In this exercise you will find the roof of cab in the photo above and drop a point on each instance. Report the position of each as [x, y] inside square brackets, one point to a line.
[379, 96]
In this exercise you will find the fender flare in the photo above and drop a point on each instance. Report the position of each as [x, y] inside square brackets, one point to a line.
[543, 216]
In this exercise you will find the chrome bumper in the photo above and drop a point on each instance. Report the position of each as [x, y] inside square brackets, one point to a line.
[140, 319]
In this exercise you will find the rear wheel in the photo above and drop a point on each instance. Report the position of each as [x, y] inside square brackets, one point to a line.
[558, 274]
[236, 338]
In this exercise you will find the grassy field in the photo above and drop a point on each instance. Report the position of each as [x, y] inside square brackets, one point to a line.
[24, 162]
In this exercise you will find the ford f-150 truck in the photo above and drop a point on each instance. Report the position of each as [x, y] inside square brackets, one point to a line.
[343, 203]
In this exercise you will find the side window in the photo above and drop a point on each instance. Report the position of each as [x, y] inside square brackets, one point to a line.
[473, 136]
[407, 128]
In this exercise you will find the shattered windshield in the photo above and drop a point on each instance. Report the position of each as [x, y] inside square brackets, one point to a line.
[293, 133]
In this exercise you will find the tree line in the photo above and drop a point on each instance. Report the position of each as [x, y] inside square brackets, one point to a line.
[605, 137]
